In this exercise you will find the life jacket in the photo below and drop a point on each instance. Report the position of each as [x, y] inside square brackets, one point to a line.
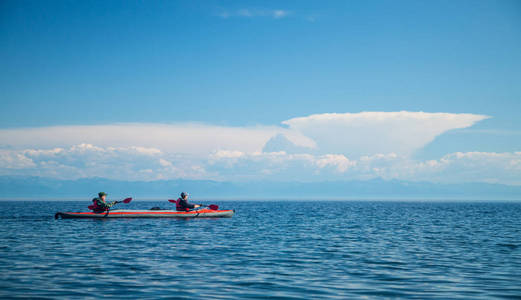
[179, 207]
[96, 207]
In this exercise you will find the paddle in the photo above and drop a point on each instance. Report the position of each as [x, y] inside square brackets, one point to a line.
[211, 206]
[127, 200]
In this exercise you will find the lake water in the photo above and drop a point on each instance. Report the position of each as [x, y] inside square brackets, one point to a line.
[284, 250]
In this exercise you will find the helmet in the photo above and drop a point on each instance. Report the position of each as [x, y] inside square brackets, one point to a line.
[101, 194]
[183, 194]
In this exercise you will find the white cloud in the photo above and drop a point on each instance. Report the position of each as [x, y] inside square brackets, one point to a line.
[134, 163]
[487, 167]
[252, 13]
[353, 135]
[226, 154]
[311, 19]
[367, 133]
[86, 160]
[338, 161]
[193, 139]
[279, 13]
[313, 148]
[12, 160]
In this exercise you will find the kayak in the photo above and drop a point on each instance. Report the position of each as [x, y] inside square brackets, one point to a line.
[147, 213]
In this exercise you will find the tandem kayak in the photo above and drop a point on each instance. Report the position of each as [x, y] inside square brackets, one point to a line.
[146, 213]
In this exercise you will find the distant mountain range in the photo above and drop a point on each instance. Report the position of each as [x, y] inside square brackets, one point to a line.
[45, 188]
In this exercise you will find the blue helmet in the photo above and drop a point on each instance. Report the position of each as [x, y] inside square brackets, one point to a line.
[183, 194]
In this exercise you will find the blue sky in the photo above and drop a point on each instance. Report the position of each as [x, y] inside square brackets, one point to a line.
[245, 64]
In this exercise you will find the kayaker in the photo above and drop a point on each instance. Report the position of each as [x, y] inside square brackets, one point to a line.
[182, 203]
[100, 204]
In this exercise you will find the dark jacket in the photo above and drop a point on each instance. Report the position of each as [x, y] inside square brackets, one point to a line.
[99, 204]
[183, 205]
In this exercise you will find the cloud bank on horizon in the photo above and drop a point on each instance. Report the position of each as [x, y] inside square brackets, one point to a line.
[318, 147]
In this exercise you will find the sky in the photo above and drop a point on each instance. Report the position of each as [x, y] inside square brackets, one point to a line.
[256, 90]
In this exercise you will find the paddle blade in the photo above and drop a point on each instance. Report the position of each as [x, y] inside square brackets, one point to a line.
[127, 200]
[172, 201]
[213, 207]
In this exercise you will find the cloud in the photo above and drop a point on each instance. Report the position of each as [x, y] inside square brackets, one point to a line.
[312, 148]
[337, 161]
[284, 166]
[311, 19]
[350, 134]
[13, 160]
[192, 139]
[486, 167]
[367, 133]
[489, 167]
[86, 160]
[252, 13]
[144, 164]
[279, 13]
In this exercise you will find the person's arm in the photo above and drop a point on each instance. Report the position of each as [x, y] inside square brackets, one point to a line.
[190, 205]
[183, 204]
[104, 204]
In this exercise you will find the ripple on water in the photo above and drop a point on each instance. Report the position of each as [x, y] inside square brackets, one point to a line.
[281, 250]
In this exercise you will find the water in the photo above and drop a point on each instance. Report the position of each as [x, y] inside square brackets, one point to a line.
[285, 250]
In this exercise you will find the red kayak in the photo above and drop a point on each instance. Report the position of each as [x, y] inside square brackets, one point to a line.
[147, 213]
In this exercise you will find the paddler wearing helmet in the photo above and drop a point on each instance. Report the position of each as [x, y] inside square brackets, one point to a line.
[100, 203]
[182, 203]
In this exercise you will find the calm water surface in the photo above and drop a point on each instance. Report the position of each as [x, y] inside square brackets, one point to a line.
[285, 250]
